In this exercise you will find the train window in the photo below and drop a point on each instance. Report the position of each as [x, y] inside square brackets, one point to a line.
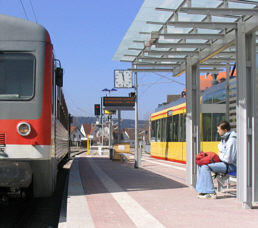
[16, 76]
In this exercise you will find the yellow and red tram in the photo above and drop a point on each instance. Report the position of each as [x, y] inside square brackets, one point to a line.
[168, 125]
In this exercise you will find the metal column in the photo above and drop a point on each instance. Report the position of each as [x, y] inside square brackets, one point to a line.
[137, 154]
[255, 124]
[101, 117]
[246, 121]
[192, 119]
[110, 131]
[118, 125]
[227, 91]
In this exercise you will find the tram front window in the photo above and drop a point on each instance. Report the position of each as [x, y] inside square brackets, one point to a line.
[16, 76]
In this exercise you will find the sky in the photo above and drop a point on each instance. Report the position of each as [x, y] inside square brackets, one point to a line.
[85, 35]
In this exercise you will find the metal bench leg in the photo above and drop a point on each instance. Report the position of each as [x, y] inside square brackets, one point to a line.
[222, 182]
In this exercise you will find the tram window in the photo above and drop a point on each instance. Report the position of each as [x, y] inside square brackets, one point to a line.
[153, 130]
[207, 99]
[182, 128]
[163, 129]
[219, 97]
[16, 76]
[169, 129]
[157, 135]
[175, 128]
[206, 123]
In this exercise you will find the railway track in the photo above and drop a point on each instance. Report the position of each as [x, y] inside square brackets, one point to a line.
[35, 213]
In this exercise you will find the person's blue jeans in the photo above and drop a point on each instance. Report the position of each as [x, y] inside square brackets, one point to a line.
[204, 182]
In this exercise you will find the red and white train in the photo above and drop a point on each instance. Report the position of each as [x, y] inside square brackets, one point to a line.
[34, 119]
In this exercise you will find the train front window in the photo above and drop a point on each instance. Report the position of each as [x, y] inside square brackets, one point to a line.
[16, 76]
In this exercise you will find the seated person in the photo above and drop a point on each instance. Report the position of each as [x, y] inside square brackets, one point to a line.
[227, 154]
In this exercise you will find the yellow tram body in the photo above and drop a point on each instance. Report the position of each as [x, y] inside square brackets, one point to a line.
[175, 151]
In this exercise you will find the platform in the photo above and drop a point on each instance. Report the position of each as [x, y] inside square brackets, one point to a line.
[109, 194]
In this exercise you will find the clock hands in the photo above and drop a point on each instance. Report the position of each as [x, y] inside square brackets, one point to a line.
[123, 79]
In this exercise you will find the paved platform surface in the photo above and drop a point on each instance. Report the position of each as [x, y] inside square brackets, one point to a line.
[109, 194]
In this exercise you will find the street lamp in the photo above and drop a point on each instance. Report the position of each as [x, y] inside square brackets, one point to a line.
[109, 90]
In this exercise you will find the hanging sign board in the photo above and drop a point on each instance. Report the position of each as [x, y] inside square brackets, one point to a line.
[119, 101]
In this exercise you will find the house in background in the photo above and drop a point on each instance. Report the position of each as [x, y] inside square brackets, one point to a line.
[88, 129]
[76, 136]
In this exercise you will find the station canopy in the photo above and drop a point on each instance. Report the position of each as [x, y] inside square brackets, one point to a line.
[165, 32]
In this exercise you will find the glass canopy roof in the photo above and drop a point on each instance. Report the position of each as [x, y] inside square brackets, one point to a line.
[165, 32]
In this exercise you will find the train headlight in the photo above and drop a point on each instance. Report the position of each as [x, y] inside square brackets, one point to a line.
[23, 129]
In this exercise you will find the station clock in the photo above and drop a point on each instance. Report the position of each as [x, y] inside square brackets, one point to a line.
[123, 79]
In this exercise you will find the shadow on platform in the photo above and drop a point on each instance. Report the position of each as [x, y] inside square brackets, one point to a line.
[128, 178]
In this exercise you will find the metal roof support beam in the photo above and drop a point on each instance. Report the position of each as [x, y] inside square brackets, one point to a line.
[221, 59]
[130, 55]
[219, 11]
[244, 2]
[156, 65]
[154, 59]
[211, 70]
[135, 49]
[192, 120]
[198, 24]
[204, 25]
[182, 45]
[192, 36]
[247, 123]
[152, 70]
[214, 65]
[227, 53]
[220, 45]
[154, 52]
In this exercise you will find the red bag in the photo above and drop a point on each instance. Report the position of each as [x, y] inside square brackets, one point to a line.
[205, 158]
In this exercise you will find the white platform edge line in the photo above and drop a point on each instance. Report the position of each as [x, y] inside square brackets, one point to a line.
[78, 212]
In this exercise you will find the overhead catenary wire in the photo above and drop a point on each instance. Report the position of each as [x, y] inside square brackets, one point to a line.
[74, 106]
[141, 95]
[156, 82]
[34, 13]
[172, 80]
[25, 13]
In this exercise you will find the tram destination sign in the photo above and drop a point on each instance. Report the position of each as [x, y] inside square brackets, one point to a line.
[119, 101]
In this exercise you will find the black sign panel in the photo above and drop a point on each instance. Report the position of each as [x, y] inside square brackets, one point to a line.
[119, 101]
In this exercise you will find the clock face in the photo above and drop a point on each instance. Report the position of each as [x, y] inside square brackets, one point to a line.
[123, 79]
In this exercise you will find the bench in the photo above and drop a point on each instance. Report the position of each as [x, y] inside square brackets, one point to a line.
[225, 180]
